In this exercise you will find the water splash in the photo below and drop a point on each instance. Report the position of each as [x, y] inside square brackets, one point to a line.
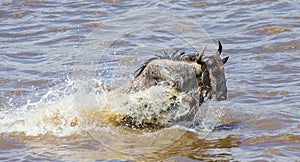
[58, 112]
[76, 108]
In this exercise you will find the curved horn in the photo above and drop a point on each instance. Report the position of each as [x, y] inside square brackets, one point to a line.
[220, 48]
[201, 53]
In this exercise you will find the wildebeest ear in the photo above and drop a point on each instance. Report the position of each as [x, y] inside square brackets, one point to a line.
[220, 48]
[225, 60]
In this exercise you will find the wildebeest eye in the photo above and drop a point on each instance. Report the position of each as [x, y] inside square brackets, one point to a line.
[203, 67]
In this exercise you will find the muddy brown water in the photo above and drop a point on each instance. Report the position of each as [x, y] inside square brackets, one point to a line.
[50, 51]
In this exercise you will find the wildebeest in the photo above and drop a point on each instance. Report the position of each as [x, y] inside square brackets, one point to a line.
[168, 88]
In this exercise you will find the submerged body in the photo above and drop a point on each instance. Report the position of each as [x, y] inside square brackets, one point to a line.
[167, 89]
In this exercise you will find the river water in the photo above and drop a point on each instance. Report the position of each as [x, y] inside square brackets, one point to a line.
[59, 57]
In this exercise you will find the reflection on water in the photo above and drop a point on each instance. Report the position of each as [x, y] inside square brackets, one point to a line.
[51, 59]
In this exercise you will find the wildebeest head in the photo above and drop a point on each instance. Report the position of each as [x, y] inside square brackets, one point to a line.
[213, 75]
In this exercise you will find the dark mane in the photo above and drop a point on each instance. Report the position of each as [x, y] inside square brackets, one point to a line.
[140, 69]
[175, 56]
